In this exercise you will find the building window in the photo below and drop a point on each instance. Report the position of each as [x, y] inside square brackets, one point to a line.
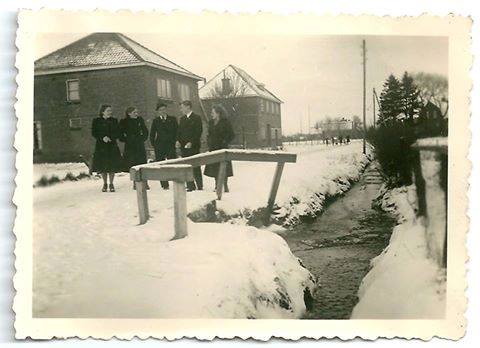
[184, 91]
[75, 123]
[73, 90]
[269, 107]
[262, 105]
[164, 89]
[37, 136]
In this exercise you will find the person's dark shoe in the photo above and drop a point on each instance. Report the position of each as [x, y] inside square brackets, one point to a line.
[134, 186]
[190, 189]
[147, 187]
[104, 189]
[111, 188]
[225, 189]
[166, 188]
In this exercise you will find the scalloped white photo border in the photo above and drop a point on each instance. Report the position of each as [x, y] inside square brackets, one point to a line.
[456, 28]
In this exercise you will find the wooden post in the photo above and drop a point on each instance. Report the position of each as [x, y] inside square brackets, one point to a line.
[180, 209]
[274, 188]
[142, 200]
[222, 171]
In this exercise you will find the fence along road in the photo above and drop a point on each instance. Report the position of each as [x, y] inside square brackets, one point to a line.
[180, 171]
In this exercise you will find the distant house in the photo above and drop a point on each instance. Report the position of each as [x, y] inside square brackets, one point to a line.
[432, 120]
[254, 111]
[73, 81]
[430, 111]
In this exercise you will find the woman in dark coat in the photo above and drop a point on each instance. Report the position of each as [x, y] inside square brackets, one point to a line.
[133, 133]
[220, 134]
[107, 159]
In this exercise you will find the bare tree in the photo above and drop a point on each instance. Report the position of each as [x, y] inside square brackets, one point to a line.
[433, 88]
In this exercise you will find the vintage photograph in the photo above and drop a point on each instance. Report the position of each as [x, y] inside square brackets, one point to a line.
[185, 175]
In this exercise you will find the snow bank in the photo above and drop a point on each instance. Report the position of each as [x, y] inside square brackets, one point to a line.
[403, 282]
[59, 170]
[321, 172]
[119, 269]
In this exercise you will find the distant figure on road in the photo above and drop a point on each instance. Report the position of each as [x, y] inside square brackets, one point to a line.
[188, 140]
[333, 140]
[340, 139]
[220, 134]
[348, 139]
[133, 133]
[107, 159]
[163, 134]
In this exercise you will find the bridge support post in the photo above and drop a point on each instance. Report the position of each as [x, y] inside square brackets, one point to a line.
[274, 189]
[222, 171]
[180, 209]
[142, 201]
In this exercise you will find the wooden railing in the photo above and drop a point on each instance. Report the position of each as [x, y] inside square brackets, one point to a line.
[180, 171]
[430, 171]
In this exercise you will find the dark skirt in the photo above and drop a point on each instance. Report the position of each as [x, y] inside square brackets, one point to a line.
[211, 170]
[134, 154]
[107, 158]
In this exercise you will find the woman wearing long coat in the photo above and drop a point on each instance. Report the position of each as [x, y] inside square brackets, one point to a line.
[133, 133]
[220, 134]
[107, 159]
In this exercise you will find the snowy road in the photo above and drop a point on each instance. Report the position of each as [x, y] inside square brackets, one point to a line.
[90, 255]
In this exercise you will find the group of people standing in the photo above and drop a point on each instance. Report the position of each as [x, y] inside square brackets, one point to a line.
[167, 136]
[337, 140]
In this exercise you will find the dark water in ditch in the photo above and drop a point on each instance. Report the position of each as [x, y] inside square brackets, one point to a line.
[337, 246]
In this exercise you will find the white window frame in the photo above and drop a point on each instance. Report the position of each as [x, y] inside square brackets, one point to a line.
[184, 91]
[71, 123]
[69, 90]
[164, 88]
[39, 135]
[262, 105]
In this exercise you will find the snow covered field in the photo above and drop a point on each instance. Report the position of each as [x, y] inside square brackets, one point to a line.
[92, 259]
[403, 283]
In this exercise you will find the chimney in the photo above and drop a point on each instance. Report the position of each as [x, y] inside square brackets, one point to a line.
[226, 88]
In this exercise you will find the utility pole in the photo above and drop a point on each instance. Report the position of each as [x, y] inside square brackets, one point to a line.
[308, 116]
[374, 120]
[364, 97]
[301, 126]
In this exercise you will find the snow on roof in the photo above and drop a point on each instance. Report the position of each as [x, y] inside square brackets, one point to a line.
[102, 50]
[242, 85]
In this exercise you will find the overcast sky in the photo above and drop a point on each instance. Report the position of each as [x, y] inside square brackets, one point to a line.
[323, 73]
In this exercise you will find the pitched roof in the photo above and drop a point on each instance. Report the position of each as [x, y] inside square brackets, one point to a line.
[241, 82]
[102, 51]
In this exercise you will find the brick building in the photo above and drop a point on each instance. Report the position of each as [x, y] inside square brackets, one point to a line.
[253, 110]
[73, 81]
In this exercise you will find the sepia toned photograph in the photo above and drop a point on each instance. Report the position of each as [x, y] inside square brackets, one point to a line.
[242, 175]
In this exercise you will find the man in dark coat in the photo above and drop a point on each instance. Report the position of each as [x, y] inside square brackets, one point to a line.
[188, 135]
[163, 135]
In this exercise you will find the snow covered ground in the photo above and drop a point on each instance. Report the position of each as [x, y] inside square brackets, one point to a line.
[60, 170]
[320, 172]
[403, 282]
[91, 258]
